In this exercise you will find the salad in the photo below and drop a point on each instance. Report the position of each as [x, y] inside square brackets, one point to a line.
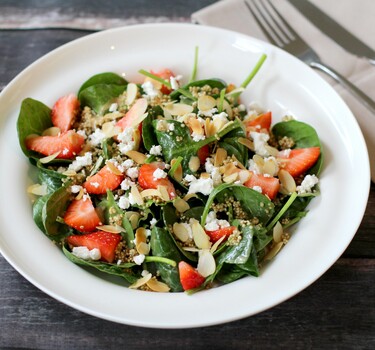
[171, 186]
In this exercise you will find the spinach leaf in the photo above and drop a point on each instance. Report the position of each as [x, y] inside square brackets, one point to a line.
[34, 118]
[51, 178]
[103, 78]
[99, 97]
[304, 136]
[102, 266]
[54, 208]
[162, 245]
[233, 147]
[148, 131]
[38, 211]
[214, 83]
[194, 213]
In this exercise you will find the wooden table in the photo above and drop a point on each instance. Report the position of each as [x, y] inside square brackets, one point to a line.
[336, 312]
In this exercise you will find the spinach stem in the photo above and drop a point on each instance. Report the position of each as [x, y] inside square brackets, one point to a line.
[174, 167]
[282, 211]
[187, 94]
[195, 66]
[155, 77]
[221, 100]
[160, 259]
[254, 71]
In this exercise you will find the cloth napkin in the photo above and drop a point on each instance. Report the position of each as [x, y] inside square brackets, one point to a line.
[356, 16]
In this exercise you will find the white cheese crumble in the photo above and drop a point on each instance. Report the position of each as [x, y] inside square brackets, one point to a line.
[213, 224]
[197, 137]
[156, 150]
[144, 273]
[223, 117]
[124, 202]
[132, 173]
[149, 89]
[126, 184]
[139, 259]
[307, 184]
[260, 141]
[86, 254]
[81, 162]
[159, 174]
[113, 107]
[97, 137]
[82, 133]
[128, 163]
[75, 188]
[175, 81]
[208, 113]
[257, 188]
[204, 186]
[171, 126]
[153, 222]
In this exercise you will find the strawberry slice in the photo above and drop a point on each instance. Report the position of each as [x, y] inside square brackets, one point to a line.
[217, 234]
[269, 185]
[298, 160]
[133, 114]
[82, 216]
[189, 277]
[146, 179]
[203, 154]
[261, 123]
[69, 144]
[102, 181]
[65, 111]
[106, 242]
[165, 74]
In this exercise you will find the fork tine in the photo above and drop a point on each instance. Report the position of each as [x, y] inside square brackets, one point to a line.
[266, 30]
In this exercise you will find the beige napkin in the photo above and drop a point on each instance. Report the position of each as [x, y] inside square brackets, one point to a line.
[355, 16]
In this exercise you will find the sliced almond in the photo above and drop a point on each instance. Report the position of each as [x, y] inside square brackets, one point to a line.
[246, 142]
[179, 109]
[191, 249]
[201, 239]
[111, 228]
[137, 138]
[52, 131]
[205, 176]
[131, 93]
[134, 220]
[181, 205]
[274, 251]
[69, 173]
[272, 150]
[194, 163]
[181, 232]
[37, 189]
[164, 193]
[143, 248]
[136, 195]
[206, 103]
[258, 160]
[238, 163]
[110, 130]
[80, 194]
[209, 128]
[138, 157]
[113, 168]
[189, 196]
[157, 286]
[230, 178]
[270, 167]
[277, 232]
[206, 263]
[150, 193]
[216, 244]
[195, 125]
[50, 158]
[244, 175]
[137, 112]
[140, 235]
[228, 169]
[235, 91]
[288, 184]
[220, 155]
[140, 282]
[178, 172]
[227, 108]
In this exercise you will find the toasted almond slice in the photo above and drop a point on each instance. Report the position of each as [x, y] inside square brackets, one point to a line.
[112, 116]
[274, 251]
[136, 138]
[179, 109]
[258, 160]
[227, 108]
[189, 196]
[110, 130]
[140, 235]
[157, 286]
[218, 124]
[150, 193]
[191, 249]
[143, 248]
[243, 176]
[181, 205]
[228, 169]
[139, 120]
[216, 244]
[131, 93]
[287, 181]
[140, 282]
[80, 194]
[206, 102]
[136, 195]
[230, 178]
[209, 128]
[206, 263]
[205, 176]
[181, 232]
[238, 163]
[246, 142]
[50, 158]
[113, 168]
[195, 126]
[52, 131]
[69, 173]
[138, 157]
[270, 167]
[277, 232]
[272, 150]
[235, 91]
[178, 172]
[134, 219]
[200, 237]
[37, 189]
[110, 228]
[220, 155]
[194, 163]
[164, 193]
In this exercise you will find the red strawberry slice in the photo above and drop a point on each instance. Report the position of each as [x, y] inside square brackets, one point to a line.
[147, 180]
[261, 123]
[270, 185]
[298, 160]
[65, 111]
[102, 181]
[106, 242]
[82, 216]
[203, 154]
[69, 144]
[189, 277]
[217, 234]
[165, 74]
[133, 114]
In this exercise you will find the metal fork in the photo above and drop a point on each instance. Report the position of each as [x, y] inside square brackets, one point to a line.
[281, 34]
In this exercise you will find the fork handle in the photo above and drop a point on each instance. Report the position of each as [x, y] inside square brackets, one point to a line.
[360, 95]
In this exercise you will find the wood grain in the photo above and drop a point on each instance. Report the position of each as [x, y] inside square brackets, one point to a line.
[336, 312]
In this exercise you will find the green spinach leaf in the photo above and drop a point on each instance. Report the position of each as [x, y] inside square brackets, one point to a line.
[214, 83]
[103, 78]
